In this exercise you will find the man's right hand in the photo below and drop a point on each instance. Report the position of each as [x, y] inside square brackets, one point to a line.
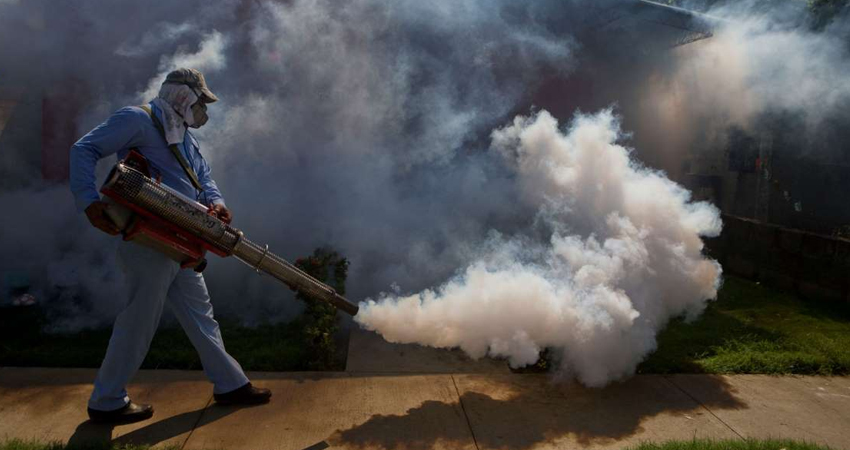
[96, 212]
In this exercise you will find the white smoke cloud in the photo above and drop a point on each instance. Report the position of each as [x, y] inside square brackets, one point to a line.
[762, 59]
[209, 58]
[162, 33]
[597, 296]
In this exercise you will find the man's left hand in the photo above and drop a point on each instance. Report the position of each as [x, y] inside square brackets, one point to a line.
[221, 212]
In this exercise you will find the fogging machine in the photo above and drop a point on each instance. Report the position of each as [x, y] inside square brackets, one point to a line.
[156, 216]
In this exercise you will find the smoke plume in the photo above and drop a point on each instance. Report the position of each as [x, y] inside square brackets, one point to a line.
[624, 256]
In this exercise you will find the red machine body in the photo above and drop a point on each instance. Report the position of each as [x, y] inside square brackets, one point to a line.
[154, 215]
[142, 226]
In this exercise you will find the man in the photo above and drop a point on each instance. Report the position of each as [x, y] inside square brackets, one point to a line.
[152, 278]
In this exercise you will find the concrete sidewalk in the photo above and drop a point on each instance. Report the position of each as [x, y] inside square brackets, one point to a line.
[414, 411]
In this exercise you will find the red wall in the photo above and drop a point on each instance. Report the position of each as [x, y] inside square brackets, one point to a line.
[58, 133]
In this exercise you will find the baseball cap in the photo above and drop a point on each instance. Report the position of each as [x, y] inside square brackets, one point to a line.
[194, 79]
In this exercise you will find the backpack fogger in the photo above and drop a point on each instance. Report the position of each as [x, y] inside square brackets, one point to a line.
[154, 215]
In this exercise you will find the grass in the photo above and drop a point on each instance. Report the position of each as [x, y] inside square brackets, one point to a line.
[264, 348]
[755, 329]
[308, 343]
[749, 329]
[747, 444]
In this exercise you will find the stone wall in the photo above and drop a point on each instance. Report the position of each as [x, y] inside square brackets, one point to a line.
[815, 266]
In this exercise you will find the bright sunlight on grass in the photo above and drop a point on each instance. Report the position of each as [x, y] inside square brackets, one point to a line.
[756, 329]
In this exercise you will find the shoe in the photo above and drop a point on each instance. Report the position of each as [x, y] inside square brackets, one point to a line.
[131, 412]
[246, 395]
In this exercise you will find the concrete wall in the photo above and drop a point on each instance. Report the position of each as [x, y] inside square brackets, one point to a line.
[815, 266]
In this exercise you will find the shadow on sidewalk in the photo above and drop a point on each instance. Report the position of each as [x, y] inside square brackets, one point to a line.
[90, 432]
[522, 414]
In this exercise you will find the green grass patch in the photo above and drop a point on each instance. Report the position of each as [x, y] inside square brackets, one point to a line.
[271, 347]
[751, 328]
[747, 444]
[307, 343]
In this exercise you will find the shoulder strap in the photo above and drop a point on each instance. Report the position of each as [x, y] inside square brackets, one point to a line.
[193, 177]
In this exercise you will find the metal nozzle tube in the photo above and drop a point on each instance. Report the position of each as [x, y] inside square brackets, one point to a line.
[261, 259]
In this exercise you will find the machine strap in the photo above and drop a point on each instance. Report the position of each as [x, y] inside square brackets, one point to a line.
[193, 177]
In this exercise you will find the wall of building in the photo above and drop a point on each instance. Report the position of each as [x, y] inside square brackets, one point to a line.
[20, 141]
[37, 129]
[813, 265]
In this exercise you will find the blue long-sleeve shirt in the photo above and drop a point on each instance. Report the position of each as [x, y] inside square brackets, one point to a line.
[132, 127]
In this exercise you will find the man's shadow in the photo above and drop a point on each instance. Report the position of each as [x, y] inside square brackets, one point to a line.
[88, 432]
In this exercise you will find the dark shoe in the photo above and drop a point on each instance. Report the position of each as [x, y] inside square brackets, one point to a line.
[246, 395]
[131, 412]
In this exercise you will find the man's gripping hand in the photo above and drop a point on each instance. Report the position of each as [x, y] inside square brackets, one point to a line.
[96, 212]
[221, 212]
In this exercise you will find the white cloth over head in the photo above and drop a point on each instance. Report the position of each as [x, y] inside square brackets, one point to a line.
[175, 101]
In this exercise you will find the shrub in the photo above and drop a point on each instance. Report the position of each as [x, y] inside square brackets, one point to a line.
[320, 323]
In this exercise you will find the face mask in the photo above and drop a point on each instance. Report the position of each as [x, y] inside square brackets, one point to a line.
[199, 115]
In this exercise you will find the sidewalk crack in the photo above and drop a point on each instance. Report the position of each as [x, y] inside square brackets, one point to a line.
[195, 425]
[465, 415]
[670, 380]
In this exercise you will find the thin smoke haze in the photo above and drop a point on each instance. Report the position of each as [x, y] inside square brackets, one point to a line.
[436, 146]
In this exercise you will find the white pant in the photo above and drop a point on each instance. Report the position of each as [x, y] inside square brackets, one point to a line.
[151, 279]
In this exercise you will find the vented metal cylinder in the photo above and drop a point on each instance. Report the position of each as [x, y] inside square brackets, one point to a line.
[162, 201]
[138, 189]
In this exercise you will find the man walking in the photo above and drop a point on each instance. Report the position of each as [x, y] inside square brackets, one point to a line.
[159, 131]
